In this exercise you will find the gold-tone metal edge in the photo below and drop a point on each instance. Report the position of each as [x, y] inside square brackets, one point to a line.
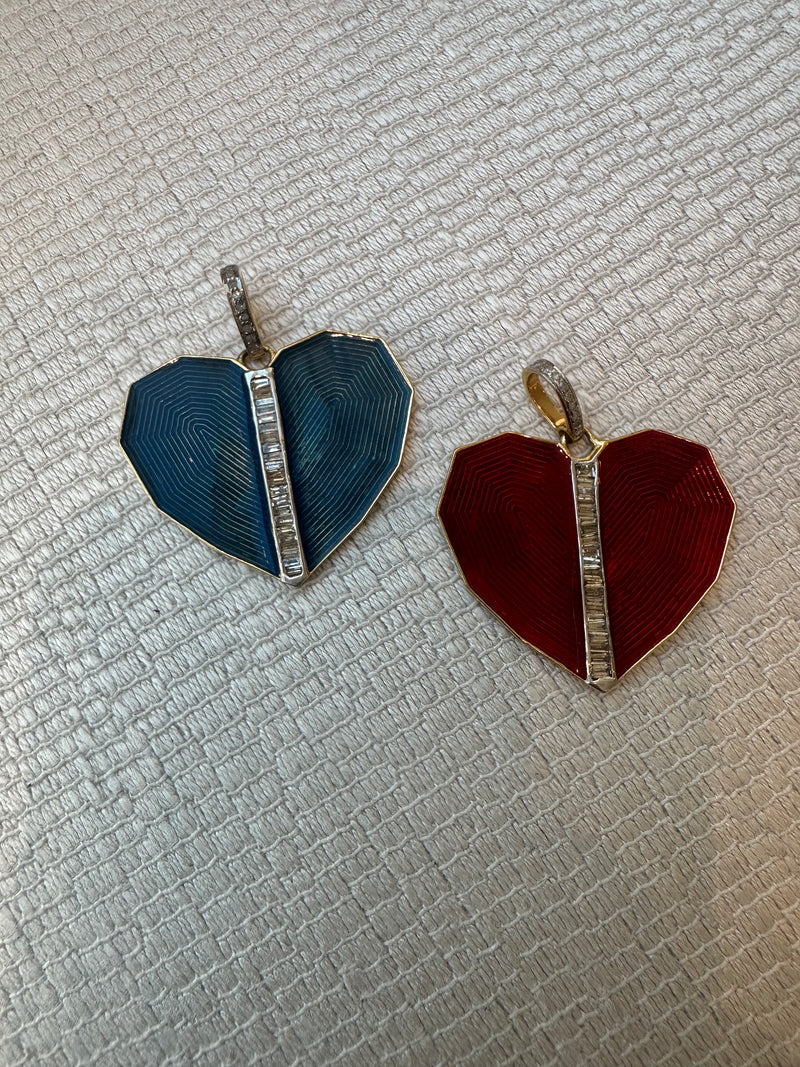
[666, 637]
[231, 359]
[462, 448]
[336, 333]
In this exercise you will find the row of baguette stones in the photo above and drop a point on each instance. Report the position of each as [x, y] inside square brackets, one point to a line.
[276, 474]
[599, 654]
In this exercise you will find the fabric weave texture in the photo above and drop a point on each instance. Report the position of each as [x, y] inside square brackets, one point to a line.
[360, 822]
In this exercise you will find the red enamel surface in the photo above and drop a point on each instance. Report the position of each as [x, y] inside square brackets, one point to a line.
[665, 516]
[509, 514]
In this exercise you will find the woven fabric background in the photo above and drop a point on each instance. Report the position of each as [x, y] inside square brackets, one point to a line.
[361, 823]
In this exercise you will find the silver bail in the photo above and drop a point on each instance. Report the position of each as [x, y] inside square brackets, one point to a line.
[566, 420]
[256, 354]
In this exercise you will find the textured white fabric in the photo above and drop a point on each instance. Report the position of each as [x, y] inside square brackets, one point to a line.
[361, 823]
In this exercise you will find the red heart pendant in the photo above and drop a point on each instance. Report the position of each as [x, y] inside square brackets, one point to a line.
[593, 560]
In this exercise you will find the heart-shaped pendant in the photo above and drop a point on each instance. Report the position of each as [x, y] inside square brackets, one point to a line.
[592, 559]
[273, 458]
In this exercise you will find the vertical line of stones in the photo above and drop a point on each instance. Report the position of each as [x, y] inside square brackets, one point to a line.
[599, 653]
[269, 430]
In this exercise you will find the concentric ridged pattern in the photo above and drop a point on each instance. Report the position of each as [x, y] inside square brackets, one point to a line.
[665, 516]
[344, 404]
[188, 431]
[509, 514]
[599, 653]
[266, 413]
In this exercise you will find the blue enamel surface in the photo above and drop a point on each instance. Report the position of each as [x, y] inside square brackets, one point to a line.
[344, 404]
[188, 433]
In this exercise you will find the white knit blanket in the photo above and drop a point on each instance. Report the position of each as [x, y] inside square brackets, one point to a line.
[361, 823]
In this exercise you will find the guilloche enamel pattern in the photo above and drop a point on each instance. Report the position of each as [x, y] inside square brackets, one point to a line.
[592, 559]
[273, 458]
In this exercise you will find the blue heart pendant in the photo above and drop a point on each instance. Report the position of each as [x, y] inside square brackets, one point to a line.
[273, 458]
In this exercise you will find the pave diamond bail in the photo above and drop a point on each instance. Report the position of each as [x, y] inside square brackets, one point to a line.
[566, 420]
[256, 354]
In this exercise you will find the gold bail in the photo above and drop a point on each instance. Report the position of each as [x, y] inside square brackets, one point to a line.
[566, 416]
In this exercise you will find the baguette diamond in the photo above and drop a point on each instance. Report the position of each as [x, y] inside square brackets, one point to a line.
[599, 653]
[283, 515]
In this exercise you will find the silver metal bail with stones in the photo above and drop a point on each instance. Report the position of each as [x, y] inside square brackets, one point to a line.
[565, 414]
[256, 354]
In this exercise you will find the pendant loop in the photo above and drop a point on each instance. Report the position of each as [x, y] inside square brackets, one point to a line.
[566, 420]
[256, 354]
